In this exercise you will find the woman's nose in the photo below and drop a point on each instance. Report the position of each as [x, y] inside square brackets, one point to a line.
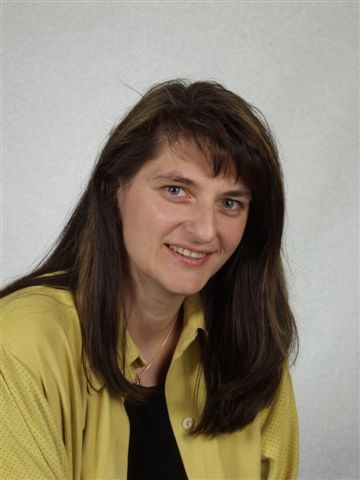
[202, 225]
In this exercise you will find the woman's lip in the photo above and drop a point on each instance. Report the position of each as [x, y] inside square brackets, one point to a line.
[188, 260]
[187, 251]
[189, 247]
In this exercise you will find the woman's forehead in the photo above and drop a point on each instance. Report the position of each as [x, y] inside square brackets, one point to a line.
[187, 151]
[185, 162]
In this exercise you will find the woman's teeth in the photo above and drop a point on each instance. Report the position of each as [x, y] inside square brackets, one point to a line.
[186, 253]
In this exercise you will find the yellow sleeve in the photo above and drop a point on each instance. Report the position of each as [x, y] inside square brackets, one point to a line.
[280, 434]
[31, 444]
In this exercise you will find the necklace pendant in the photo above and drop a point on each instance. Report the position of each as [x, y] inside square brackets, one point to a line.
[137, 380]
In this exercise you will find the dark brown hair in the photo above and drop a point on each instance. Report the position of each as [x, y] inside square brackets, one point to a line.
[250, 327]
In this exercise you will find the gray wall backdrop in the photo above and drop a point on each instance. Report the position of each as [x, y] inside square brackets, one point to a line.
[66, 71]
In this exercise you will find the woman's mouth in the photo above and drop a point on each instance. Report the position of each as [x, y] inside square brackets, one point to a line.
[187, 253]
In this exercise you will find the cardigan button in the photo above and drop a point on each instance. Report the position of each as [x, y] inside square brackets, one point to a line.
[187, 423]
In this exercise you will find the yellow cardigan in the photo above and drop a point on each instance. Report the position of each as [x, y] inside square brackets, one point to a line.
[54, 425]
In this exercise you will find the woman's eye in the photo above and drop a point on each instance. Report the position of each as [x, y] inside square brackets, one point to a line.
[231, 204]
[174, 190]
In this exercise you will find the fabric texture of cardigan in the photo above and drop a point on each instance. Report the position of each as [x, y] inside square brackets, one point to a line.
[56, 426]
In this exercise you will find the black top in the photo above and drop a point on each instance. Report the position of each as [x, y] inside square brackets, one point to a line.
[153, 451]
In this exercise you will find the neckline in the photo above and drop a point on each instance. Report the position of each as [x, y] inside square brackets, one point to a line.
[153, 388]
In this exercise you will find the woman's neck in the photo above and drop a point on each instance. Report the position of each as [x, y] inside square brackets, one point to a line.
[149, 318]
[155, 327]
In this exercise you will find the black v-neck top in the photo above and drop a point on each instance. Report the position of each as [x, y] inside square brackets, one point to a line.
[153, 451]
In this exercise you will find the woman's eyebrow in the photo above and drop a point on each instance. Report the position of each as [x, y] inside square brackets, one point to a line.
[238, 193]
[175, 177]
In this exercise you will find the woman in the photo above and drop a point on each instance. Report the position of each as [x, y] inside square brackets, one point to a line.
[153, 342]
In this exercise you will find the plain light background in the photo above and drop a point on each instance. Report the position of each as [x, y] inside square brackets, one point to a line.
[69, 73]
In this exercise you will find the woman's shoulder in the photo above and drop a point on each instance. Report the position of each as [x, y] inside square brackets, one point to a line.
[39, 317]
[38, 295]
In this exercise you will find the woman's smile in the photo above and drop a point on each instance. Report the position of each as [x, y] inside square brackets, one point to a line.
[186, 252]
[188, 256]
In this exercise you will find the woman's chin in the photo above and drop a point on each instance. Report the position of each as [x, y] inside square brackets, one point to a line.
[186, 289]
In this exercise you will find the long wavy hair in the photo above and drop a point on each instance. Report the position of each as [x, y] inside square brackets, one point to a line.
[250, 327]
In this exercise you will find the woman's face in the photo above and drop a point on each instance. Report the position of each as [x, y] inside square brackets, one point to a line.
[180, 223]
